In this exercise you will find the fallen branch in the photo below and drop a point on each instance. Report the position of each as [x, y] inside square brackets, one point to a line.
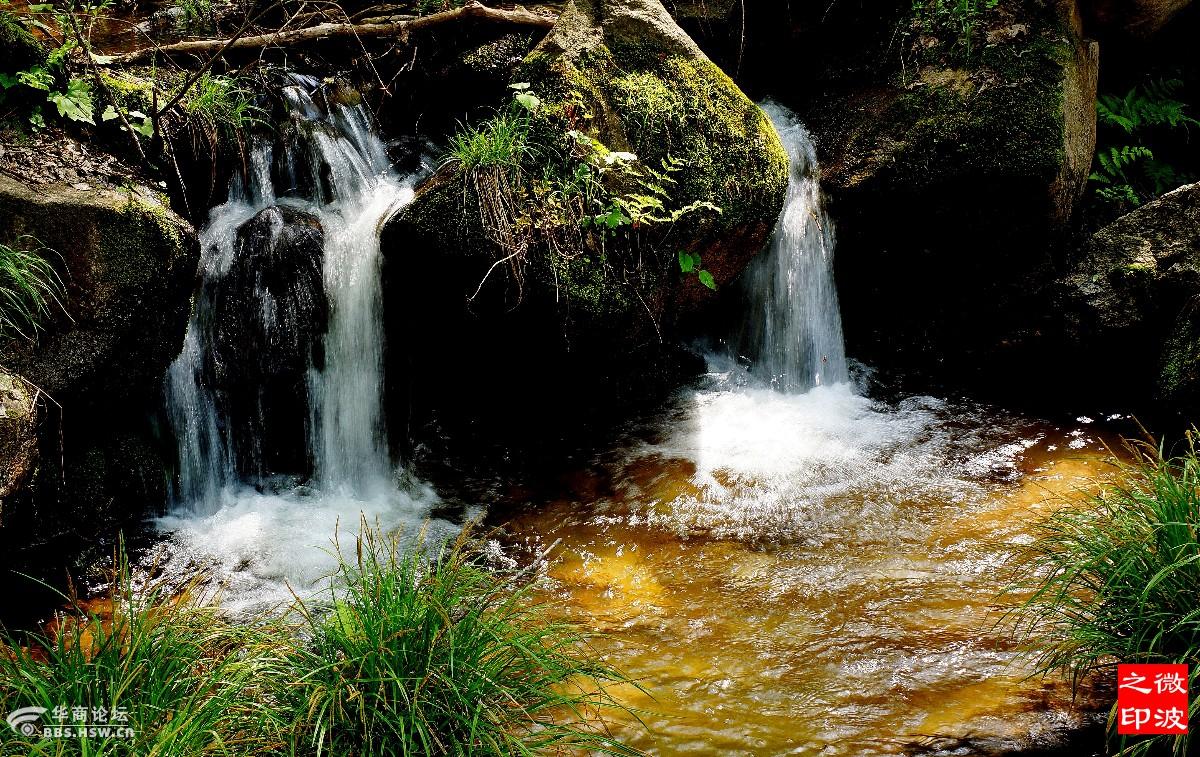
[518, 16]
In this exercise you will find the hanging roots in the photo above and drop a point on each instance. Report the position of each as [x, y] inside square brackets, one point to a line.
[497, 213]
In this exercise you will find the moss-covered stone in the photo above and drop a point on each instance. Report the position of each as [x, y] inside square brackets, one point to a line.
[1128, 306]
[18, 436]
[129, 264]
[955, 174]
[628, 77]
[1023, 109]
[21, 49]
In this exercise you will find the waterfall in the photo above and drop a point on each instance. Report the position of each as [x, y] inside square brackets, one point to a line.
[793, 332]
[282, 365]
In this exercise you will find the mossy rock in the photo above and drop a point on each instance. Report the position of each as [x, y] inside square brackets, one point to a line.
[18, 436]
[954, 181]
[129, 264]
[1128, 308]
[21, 49]
[646, 89]
[1022, 109]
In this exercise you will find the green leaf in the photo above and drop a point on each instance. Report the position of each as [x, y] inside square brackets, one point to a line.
[145, 128]
[519, 85]
[37, 78]
[528, 100]
[7, 81]
[36, 119]
[75, 103]
[707, 280]
[42, 8]
[685, 262]
[109, 114]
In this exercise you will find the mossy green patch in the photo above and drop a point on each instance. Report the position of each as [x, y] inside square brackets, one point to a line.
[1009, 124]
[1179, 378]
[132, 93]
[21, 49]
[676, 107]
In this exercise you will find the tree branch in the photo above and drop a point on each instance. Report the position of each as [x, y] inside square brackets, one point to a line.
[518, 16]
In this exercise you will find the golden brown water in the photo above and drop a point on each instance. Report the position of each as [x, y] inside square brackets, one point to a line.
[814, 574]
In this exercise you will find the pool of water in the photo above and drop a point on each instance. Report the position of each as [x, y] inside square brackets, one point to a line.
[813, 573]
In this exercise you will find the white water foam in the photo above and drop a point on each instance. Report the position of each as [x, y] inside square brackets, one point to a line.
[268, 539]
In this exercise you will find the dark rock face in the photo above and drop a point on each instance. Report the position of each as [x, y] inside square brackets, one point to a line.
[954, 185]
[129, 264]
[269, 313]
[1135, 18]
[1131, 305]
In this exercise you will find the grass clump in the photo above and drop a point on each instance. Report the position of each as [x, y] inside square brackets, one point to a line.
[163, 665]
[423, 653]
[30, 289]
[219, 103]
[1116, 582]
[431, 654]
[501, 141]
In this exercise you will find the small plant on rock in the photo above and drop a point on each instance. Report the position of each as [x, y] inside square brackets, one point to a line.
[30, 289]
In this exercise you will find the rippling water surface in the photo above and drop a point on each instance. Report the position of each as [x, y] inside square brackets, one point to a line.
[813, 573]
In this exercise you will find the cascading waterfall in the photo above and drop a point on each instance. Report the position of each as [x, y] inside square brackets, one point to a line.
[793, 329]
[277, 397]
[337, 170]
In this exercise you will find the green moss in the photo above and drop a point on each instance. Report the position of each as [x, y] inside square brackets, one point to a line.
[21, 49]
[652, 99]
[682, 108]
[1179, 377]
[131, 92]
[1013, 126]
[498, 54]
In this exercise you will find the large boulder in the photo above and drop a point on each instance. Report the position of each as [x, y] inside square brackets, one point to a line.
[542, 297]
[129, 265]
[954, 175]
[1130, 307]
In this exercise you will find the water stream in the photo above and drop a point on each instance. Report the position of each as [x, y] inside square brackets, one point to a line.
[319, 390]
[788, 565]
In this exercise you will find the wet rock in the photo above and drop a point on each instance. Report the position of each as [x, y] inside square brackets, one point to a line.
[269, 314]
[1131, 305]
[584, 308]
[129, 264]
[18, 437]
[953, 182]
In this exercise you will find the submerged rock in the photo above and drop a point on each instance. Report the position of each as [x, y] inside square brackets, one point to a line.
[129, 264]
[269, 313]
[1131, 303]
